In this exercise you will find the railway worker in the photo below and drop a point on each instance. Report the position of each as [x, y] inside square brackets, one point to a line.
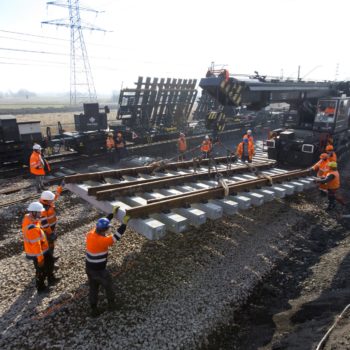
[110, 146]
[331, 154]
[181, 146]
[48, 217]
[249, 136]
[206, 147]
[36, 247]
[98, 240]
[322, 169]
[332, 181]
[38, 167]
[120, 147]
[245, 150]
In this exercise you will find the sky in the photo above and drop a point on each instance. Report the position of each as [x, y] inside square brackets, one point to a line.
[175, 39]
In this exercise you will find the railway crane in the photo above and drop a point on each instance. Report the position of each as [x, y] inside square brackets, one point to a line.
[319, 112]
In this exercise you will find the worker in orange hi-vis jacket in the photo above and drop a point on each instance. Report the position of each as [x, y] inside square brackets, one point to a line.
[38, 166]
[36, 247]
[98, 240]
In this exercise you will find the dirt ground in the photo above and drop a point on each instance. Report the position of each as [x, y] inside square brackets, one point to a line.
[294, 307]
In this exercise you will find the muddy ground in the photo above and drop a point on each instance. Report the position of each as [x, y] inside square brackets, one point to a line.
[297, 303]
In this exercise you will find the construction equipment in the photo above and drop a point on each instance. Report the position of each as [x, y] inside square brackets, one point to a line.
[157, 107]
[319, 112]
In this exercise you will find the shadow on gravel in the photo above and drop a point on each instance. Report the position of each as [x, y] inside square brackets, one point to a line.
[253, 325]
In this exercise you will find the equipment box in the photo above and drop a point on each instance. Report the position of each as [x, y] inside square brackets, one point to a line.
[8, 128]
[30, 131]
[287, 135]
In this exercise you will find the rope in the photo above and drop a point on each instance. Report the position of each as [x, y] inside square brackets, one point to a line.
[325, 337]
[221, 181]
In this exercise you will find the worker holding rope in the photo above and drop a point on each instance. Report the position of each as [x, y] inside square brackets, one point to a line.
[245, 150]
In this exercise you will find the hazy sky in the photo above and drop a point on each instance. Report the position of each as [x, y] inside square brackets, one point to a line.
[176, 39]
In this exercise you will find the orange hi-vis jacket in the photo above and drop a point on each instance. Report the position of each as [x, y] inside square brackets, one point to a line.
[182, 144]
[110, 143]
[97, 247]
[36, 164]
[35, 242]
[48, 216]
[250, 149]
[206, 146]
[333, 157]
[322, 169]
[335, 183]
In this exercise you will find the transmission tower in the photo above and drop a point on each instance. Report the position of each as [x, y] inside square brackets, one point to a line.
[82, 86]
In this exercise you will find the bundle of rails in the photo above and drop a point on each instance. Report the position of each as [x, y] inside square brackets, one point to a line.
[175, 196]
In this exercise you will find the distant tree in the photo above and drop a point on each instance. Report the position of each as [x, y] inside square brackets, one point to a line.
[24, 93]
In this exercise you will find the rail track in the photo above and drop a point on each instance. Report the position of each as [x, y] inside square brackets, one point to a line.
[174, 196]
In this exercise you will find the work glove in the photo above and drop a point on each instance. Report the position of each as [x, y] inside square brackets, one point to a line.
[111, 215]
[126, 219]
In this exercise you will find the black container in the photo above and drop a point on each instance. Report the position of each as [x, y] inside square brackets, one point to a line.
[8, 129]
[91, 109]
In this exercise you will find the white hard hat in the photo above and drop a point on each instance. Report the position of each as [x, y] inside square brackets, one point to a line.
[36, 146]
[207, 137]
[47, 196]
[35, 206]
[249, 132]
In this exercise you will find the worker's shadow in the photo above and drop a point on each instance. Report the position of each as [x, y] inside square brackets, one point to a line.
[321, 312]
[21, 310]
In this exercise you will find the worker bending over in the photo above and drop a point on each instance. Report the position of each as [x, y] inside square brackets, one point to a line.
[206, 147]
[48, 216]
[245, 150]
[332, 180]
[36, 247]
[322, 169]
[38, 166]
[181, 147]
[98, 240]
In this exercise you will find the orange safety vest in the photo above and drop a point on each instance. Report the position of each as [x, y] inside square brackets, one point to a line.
[182, 144]
[36, 164]
[48, 217]
[35, 242]
[333, 157]
[97, 250]
[250, 149]
[110, 143]
[321, 167]
[335, 183]
[206, 146]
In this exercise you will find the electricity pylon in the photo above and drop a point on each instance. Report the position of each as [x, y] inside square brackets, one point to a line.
[82, 87]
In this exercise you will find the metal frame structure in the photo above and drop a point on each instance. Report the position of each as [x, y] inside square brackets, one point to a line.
[158, 103]
[82, 87]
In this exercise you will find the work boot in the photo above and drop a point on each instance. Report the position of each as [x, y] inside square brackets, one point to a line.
[112, 306]
[95, 312]
[52, 280]
[55, 258]
[43, 290]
